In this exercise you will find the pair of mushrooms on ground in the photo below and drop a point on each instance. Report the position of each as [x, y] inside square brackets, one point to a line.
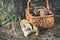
[27, 28]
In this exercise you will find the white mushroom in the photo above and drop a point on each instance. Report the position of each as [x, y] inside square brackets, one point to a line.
[26, 28]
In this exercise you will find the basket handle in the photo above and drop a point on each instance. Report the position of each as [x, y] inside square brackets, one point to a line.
[47, 4]
[28, 5]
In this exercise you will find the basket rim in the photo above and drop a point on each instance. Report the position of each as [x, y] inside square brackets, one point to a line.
[37, 7]
[39, 16]
[43, 16]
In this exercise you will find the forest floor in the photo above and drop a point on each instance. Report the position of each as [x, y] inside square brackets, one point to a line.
[49, 34]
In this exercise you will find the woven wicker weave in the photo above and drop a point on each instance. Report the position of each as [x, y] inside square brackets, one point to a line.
[41, 21]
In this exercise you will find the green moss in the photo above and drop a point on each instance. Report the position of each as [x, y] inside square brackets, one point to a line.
[3, 33]
[17, 30]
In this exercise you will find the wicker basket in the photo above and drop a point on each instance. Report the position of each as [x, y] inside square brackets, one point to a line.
[41, 21]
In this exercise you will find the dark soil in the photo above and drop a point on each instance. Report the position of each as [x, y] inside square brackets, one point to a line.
[45, 34]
